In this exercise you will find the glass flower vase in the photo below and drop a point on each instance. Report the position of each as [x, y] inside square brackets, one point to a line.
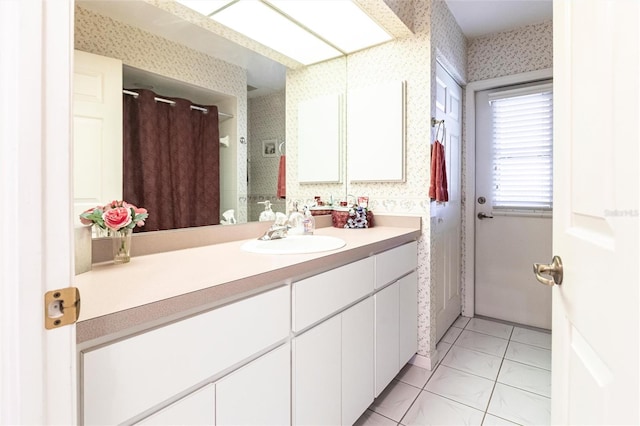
[121, 241]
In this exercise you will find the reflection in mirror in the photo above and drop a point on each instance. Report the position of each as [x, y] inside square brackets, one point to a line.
[179, 59]
[304, 85]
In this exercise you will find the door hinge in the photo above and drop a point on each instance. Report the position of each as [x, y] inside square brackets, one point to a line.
[61, 307]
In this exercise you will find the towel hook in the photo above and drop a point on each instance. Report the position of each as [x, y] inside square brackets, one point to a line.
[440, 125]
[280, 148]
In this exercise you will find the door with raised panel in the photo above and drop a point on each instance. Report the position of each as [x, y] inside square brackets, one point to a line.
[595, 370]
[97, 130]
[447, 216]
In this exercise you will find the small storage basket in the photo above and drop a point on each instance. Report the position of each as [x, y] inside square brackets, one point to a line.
[340, 219]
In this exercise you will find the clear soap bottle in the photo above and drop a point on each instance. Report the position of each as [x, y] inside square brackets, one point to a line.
[309, 222]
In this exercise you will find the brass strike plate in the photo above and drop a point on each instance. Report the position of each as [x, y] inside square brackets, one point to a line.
[61, 307]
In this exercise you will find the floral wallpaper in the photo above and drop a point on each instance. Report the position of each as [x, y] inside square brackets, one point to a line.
[403, 10]
[528, 48]
[266, 117]
[448, 42]
[101, 35]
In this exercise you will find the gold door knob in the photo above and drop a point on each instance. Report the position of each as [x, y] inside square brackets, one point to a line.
[554, 270]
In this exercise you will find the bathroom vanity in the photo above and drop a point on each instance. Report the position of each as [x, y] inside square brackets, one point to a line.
[216, 335]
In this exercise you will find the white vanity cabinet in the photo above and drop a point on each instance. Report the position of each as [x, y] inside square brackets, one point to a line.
[333, 361]
[316, 351]
[396, 312]
[127, 379]
[333, 368]
[258, 393]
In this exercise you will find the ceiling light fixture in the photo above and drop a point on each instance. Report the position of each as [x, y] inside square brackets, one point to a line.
[263, 24]
[308, 31]
[340, 22]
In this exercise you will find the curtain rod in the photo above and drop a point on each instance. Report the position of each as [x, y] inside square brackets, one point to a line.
[167, 101]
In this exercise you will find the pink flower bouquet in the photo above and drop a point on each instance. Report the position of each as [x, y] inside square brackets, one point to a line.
[116, 216]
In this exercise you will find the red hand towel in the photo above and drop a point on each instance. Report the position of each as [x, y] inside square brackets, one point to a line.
[434, 161]
[438, 187]
[282, 178]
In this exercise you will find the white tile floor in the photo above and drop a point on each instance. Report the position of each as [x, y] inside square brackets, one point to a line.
[490, 374]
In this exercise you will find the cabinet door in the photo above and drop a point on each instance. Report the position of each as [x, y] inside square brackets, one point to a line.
[258, 393]
[387, 341]
[197, 408]
[408, 317]
[357, 360]
[316, 377]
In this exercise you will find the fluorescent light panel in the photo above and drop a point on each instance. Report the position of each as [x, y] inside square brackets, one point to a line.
[341, 26]
[260, 22]
[340, 22]
[205, 7]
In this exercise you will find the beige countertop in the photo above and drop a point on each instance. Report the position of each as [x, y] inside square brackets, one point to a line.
[158, 288]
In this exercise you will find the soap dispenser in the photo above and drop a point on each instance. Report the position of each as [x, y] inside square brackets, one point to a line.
[309, 222]
[268, 214]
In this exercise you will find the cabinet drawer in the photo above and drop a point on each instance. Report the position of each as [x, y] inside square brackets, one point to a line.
[394, 263]
[125, 378]
[319, 296]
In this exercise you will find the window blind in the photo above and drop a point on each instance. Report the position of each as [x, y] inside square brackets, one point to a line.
[523, 148]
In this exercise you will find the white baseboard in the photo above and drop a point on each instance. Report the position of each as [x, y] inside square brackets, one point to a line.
[425, 362]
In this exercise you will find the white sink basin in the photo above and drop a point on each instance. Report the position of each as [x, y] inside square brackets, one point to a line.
[295, 244]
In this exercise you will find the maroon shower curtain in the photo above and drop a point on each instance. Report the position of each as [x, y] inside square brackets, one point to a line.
[171, 161]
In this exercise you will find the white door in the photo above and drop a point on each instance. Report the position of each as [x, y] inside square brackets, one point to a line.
[595, 309]
[508, 239]
[97, 131]
[447, 216]
[37, 366]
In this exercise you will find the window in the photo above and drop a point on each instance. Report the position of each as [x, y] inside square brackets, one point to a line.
[523, 148]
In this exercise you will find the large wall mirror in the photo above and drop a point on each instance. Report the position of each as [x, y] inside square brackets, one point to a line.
[165, 46]
[175, 58]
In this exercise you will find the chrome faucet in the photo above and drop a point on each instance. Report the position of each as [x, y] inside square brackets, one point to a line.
[275, 232]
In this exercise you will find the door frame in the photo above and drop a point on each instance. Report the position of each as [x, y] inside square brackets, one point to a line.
[469, 178]
[37, 366]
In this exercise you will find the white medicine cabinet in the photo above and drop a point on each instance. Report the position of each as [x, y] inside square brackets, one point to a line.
[376, 133]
